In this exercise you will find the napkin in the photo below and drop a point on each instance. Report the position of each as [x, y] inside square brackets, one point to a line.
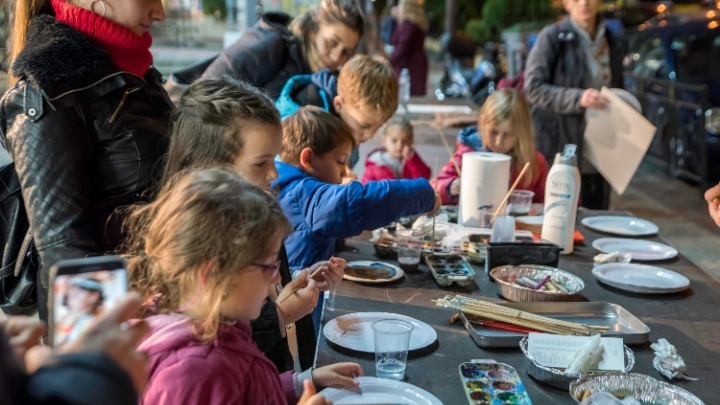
[668, 362]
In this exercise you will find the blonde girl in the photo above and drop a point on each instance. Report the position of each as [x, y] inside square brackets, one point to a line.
[504, 126]
[221, 121]
[208, 248]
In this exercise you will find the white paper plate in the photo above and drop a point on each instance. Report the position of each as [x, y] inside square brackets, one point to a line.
[641, 278]
[396, 272]
[354, 331]
[619, 225]
[381, 391]
[531, 220]
[639, 249]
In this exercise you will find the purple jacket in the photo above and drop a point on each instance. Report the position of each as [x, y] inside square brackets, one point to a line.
[409, 42]
[232, 370]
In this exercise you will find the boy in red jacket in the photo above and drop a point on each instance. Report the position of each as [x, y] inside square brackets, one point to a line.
[396, 159]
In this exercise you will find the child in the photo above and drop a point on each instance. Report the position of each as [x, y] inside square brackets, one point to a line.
[397, 159]
[504, 126]
[224, 122]
[364, 95]
[208, 247]
[315, 151]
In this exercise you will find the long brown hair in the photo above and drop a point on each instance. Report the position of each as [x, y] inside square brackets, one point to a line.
[23, 13]
[209, 221]
[346, 12]
[510, 105]
[208, 123]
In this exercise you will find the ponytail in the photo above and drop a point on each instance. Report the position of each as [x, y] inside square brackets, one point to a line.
[23, 14]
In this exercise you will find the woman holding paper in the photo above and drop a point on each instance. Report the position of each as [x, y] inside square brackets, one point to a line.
[571, 60]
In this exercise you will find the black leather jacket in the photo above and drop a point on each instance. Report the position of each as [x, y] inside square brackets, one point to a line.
[86, 138]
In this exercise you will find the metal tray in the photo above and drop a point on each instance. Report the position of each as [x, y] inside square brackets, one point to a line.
[622, 323]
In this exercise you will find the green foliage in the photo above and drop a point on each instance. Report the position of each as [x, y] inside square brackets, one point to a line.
[498, 15]
[466, 10]
[215, 7]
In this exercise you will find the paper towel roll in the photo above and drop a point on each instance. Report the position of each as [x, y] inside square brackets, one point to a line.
[485, 181]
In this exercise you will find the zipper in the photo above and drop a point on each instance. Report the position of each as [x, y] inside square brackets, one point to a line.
[128, 92]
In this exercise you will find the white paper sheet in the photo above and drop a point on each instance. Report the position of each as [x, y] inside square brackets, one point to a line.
[558, 350]
[435, 108]
[616, 140]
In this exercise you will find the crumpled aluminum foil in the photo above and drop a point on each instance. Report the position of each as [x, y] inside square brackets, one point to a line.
[668, 362]
[614, 257]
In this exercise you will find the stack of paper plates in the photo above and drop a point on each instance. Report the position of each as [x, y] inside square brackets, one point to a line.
[530, 223]
[640, 278]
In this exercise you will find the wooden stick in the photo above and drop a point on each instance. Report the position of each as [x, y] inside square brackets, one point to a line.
[314, 273]
[449, 151]
[507, 196]
[437, 164]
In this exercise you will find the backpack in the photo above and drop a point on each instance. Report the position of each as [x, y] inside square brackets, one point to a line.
[20, 264]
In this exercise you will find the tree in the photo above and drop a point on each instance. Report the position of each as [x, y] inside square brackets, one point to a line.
[498, 15]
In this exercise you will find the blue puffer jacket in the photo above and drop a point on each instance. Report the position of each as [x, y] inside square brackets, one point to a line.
[318, 89]
[320, 213]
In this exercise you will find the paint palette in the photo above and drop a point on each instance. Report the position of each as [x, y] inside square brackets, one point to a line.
[450, 268]
[488, 382]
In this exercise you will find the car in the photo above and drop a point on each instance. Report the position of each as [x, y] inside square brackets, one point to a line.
[671, 65]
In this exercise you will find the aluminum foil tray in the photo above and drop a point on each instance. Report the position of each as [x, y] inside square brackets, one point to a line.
[622, 323]
[644, 388]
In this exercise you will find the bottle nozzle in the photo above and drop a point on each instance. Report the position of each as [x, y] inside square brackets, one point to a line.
[569, 150]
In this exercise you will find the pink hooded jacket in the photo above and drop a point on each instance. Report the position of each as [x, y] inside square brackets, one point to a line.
[232, 370]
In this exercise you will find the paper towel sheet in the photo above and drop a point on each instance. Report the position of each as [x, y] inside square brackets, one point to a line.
[616, 140]
[485, 181]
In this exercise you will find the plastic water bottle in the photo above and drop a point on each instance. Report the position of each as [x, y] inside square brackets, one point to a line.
[562, 190]
[404, 82]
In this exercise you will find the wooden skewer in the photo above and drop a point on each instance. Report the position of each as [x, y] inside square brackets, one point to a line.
[314, 273]
[437, 160]
[449, 151]
[507, 196]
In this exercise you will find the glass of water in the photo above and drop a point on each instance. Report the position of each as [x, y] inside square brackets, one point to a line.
[392, 340]
[409, 247]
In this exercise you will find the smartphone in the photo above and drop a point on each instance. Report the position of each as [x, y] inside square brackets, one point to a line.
[82, 290]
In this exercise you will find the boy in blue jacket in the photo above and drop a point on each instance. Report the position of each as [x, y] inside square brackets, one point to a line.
[364, 95]
[315, 149]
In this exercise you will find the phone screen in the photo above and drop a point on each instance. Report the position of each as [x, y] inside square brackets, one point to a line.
[79, 299]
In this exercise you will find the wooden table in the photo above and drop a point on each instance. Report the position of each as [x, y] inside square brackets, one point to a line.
[689, 320]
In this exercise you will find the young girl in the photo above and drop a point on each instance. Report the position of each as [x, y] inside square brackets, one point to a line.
[208, 247]
[224, 122]
[504, 126]
[396, 159]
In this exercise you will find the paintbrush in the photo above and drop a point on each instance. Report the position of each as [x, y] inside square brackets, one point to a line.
[449, 151]
[507, 196]
[314, 273]
[437, 163]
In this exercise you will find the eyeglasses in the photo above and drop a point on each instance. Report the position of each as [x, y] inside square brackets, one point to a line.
[272, 269]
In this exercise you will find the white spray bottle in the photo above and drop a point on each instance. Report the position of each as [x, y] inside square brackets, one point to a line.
[562, 190]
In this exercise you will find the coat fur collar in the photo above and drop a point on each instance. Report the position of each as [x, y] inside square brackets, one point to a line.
[58, 57]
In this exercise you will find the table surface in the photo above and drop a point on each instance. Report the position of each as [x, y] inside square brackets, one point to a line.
[688, 320]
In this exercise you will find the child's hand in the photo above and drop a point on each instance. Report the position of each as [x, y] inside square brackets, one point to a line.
[436, 207]
[455, 187]
[293, 305]
[338, 375]
[407, 152]
[331, 276]
[311, 397]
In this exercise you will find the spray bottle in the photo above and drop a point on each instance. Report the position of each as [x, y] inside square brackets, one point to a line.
[562, 190]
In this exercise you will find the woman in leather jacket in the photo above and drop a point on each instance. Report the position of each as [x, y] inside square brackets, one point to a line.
[276, 49]
[85, 121]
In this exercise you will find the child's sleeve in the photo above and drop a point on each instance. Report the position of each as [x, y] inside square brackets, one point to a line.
[446, 176]
[416, 168]
[345, 211]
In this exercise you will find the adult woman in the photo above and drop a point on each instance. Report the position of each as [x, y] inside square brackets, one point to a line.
[270, 53]
[408, 43]
[569, 62]
[85, 122]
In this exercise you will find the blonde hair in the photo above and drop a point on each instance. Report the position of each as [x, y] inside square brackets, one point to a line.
[412, 11]
[403, 123]
[368, 82]
[311, 127]
[208, 123]
[510, 105]
[209, 221]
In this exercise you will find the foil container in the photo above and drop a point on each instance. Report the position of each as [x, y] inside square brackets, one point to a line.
[644, 388]
[556, 377]
[514, 292]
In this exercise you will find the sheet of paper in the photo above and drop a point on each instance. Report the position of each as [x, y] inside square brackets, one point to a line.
[616, 139]
[558, 350]
[435, 108]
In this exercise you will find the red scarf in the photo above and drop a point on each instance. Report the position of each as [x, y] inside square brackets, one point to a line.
[128, 51]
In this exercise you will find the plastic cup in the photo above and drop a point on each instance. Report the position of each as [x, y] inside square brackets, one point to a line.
[392, 340]
[330, 299]
[503, 229]
[409, 247]
[520, 202]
